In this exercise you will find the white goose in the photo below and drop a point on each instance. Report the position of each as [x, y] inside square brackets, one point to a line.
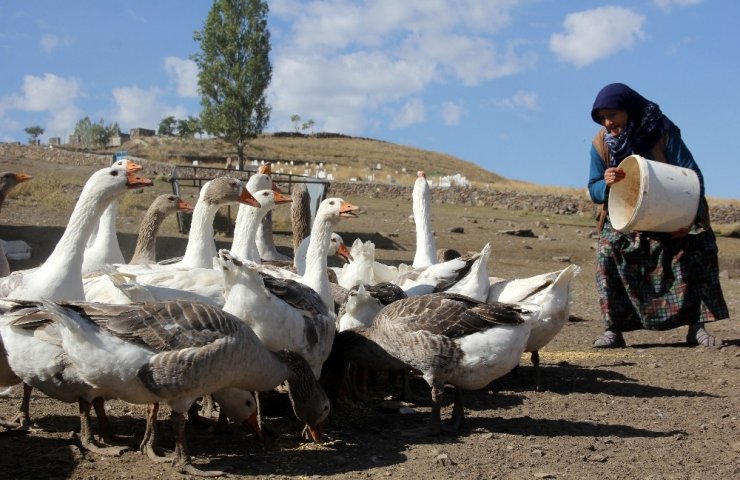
[250, 218]
[175, 352]
[466, 275]
[243, 226]
[426, 244]
[265, 240]
[60, 276]
[31, 352]
[451, 339]
[103, 247]
[285, 314]
[552, 293]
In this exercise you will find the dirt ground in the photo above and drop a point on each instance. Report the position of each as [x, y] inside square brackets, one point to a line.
[654, 410]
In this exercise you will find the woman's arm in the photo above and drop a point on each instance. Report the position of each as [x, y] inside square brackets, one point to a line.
[596, 183]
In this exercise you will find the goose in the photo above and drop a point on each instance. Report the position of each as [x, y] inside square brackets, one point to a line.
[552, 293]
[251, 219]
[175, 352]
[244, 223]
[426, 244]
[364, 302]
[160, 208]
[60, 276]
[285, 314]
[451, 339]
[330, 211]
[102, 245]
[8, 181]
[31, 352]
[337, 248]
[265, 240]
[466, 275]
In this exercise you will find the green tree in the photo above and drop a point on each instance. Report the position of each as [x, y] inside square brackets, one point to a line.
[308, 125]
[34, 132]
[167, 126]
[235, 71]
[296, 119]
[90, 134]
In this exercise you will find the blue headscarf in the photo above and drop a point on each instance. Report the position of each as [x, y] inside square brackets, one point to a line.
[645, 126]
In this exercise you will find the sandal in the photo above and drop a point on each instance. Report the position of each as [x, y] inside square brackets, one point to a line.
[609, 340]
[699, 336]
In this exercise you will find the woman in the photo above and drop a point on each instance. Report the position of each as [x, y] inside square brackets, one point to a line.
[651, 280]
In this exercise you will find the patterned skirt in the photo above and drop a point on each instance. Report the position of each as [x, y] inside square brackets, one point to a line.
[650, 280]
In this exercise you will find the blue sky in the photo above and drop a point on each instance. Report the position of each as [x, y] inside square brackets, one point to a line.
[506, 84]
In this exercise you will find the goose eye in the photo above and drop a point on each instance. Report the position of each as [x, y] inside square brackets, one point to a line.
[326, 407]
[114, 173]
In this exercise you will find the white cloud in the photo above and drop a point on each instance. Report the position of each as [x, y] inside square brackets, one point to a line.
[341, 62]
[591, 35]
[521, 100]
[668, 4]
[49, 43]
[452, 113]
[411, 113]
[56, 96]
[138, 108]
[185, 74]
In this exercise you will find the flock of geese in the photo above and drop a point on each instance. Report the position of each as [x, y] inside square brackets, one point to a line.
[86, 327]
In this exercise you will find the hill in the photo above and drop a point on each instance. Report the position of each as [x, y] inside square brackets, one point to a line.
[343, 156]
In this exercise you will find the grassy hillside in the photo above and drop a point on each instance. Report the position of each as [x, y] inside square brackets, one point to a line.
[344, 157]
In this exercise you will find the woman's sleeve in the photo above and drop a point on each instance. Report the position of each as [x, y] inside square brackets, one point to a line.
[596, 182]
[678, 154]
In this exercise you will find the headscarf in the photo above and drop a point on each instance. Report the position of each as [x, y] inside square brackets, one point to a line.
[645, 125]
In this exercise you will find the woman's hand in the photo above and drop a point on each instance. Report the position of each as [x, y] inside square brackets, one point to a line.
[613, 175]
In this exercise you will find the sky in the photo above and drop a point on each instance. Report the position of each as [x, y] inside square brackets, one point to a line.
[505, 84]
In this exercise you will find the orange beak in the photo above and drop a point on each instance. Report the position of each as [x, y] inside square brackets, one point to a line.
[280, 198]
[137, 181]
[343, 253]
[133, 167]
[184, 206]
[247, 199]
[275, 188]
[316, 432]
[253, 424]
[348, 210]
[22, 177]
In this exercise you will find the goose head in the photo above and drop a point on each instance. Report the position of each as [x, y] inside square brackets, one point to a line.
[337, 247]
[361, 305]
[269, 199]
[113, 181]
[310, 402]
[168, 203]
[238, 271]
[337, 208]
[241, 408]
[227, 190]
[9, 180]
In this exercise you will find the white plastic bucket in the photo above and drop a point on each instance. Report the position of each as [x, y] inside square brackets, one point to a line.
[653, 196]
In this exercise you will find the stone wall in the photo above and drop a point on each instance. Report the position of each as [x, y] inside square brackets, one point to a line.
[550, 204]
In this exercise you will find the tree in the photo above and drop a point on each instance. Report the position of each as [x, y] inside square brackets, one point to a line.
[34, 132]
[296, 119]
[91, 134]
[167, 126]
[235, 71]
[308, 125]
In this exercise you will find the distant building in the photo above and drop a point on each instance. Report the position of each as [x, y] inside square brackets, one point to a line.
[141, 132]
[55, 141]
[118, 139]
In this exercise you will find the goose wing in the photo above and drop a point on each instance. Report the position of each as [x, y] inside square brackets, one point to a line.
[295, 294]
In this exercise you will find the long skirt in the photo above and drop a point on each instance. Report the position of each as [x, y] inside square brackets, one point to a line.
[652, 281]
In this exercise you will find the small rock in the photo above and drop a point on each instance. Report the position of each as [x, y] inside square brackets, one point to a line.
[544, 476]
[598, 458]
[457, 230]
[444, 460]
[561, 259]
